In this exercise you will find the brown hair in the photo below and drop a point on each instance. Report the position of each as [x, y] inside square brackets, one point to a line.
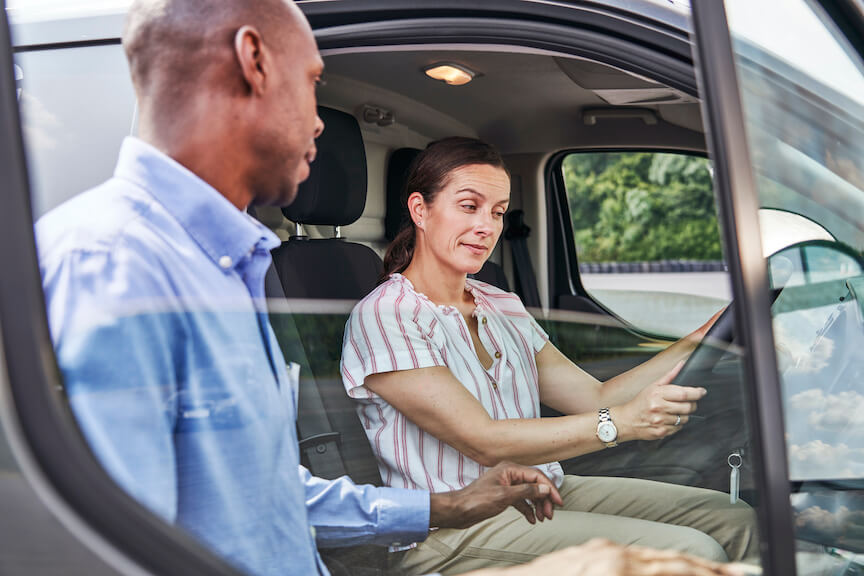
[428, 174]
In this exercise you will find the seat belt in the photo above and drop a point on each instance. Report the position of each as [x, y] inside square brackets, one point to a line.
[320, 445]
[526, 283]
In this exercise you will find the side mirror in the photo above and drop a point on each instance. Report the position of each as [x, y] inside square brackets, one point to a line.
[814, 262]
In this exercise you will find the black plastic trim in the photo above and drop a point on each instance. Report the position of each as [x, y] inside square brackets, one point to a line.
[848, 16]
[616, 17]
[47, 426]
[62, 45]
[738, 211]
[624, 53]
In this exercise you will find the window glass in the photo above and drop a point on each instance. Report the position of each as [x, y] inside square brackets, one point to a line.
[805, 125]
[179, 384]
[647, 239]
[76, 105]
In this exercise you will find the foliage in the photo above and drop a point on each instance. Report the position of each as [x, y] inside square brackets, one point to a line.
[641, 206]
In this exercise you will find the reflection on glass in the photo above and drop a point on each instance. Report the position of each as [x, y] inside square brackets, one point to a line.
[73, 118]
[805, 121]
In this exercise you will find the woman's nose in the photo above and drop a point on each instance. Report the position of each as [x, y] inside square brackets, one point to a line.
[485, 224]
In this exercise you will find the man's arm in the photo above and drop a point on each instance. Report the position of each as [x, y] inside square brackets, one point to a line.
[344, 514]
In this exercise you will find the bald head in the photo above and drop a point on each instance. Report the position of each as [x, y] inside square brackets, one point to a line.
[176, 46]
[227, 88]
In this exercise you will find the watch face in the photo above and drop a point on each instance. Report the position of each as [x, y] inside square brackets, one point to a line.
[607, 432]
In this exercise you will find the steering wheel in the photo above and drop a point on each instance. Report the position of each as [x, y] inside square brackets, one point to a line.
[706, 355]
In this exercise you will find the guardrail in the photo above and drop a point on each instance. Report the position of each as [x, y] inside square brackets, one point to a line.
[653, 267]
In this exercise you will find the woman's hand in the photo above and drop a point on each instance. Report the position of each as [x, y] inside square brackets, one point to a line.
[697, 335]
[654, 412]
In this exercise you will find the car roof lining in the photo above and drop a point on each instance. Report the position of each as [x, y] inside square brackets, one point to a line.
[523, 100]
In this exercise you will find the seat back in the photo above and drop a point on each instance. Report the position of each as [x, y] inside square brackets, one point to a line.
[329, 269]
[332, 439]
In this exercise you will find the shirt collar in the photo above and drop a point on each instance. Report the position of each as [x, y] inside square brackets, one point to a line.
[226, 234]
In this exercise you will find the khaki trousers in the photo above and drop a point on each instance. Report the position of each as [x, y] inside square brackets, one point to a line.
[624, 510]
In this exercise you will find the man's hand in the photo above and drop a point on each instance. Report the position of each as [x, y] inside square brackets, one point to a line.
[506, 484]
[603, 558]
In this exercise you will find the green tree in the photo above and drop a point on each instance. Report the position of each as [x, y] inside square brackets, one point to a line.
[641, 206]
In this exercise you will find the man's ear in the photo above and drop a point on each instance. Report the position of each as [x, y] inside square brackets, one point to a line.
[251, 55]
[416, 208]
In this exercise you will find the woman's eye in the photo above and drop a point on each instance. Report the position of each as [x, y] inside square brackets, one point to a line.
[469, 207]
[499, 214]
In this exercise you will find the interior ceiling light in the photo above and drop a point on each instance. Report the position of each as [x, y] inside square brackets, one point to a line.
[452, 74]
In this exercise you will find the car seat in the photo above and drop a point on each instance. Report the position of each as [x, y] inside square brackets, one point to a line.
[332, 438]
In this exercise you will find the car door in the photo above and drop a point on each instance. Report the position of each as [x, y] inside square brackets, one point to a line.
[62, 513]
[782, 103]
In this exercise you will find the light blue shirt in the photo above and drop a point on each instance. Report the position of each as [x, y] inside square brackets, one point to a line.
[154, 285]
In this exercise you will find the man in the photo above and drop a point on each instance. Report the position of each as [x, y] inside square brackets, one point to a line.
[154, 284]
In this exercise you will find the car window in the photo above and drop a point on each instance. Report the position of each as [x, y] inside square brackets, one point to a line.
[76, 105]
[647, 238]
[804, 117]
[75, 121]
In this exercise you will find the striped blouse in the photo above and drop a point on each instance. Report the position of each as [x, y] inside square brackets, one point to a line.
[396, 328]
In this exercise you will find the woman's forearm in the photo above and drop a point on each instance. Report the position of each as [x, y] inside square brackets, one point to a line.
[625, 386]
[539, 440]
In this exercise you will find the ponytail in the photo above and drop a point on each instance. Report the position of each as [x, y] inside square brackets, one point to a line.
[400, 252]
[428, 175]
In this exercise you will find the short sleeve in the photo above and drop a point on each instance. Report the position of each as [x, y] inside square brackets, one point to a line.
[389, 330]
[539, 338]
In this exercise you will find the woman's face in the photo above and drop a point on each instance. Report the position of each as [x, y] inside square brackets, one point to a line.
[463, 223]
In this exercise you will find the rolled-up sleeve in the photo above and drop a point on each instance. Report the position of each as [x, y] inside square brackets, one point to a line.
[345, 514]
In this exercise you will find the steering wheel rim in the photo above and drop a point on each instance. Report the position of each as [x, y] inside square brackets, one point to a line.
[706, 355]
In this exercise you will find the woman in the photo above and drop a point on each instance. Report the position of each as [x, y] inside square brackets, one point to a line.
[449, 373]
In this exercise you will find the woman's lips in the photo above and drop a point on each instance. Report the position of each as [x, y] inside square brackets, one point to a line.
[478, 249]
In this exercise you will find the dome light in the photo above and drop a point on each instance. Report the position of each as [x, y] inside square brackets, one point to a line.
[452, 74]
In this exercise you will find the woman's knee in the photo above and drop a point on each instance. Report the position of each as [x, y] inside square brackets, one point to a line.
[700, 544]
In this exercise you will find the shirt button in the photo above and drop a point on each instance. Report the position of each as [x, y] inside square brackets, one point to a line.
[497, 354]
[483, 320]
[495, 385]
[225, 262]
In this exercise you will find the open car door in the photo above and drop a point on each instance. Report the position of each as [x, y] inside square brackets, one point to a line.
[783, 104]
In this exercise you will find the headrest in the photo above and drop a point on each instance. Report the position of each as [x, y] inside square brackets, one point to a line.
[335, 192]
[397, 175]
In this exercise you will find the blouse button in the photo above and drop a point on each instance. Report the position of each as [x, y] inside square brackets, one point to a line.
[495, 385]
[483, 320]
[497, 354]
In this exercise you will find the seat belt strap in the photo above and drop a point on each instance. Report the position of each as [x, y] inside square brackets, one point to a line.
[319, 443]
[526, 283]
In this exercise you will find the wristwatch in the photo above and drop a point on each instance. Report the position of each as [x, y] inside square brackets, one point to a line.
[606, 430]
